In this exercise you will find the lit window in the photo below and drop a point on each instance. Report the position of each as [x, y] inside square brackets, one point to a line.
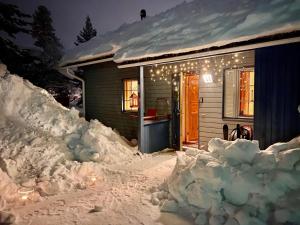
[239, 93]
[130, 95]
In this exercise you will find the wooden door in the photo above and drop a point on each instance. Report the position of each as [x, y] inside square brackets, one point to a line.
[192, 107]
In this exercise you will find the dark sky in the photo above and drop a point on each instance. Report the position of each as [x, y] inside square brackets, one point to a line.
[106, 15]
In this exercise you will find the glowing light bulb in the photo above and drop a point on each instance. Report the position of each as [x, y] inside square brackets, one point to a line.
[25, 193]
[24, 197]
[91, 180]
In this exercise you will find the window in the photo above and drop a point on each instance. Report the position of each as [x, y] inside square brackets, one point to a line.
[130, 95]
[239, 93]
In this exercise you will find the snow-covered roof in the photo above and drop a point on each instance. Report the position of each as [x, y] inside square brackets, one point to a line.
[192, 26]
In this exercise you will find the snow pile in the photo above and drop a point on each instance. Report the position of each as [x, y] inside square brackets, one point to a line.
[192, 26]
[235, 183]
[47, 147]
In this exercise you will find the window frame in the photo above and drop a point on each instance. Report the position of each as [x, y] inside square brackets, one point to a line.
[237, 118]
[123, 110]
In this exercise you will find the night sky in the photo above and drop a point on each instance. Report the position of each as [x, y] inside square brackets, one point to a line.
[106, 15]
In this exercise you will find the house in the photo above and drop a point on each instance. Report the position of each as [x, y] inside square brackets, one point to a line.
[195, 68]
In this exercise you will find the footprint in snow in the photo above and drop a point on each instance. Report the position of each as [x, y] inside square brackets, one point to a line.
[96, 209]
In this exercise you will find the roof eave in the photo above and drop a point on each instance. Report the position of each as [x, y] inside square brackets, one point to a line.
[265, 41]
[81, 63]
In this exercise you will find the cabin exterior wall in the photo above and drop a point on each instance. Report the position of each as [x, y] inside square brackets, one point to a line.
[211, 119]
[104, 91]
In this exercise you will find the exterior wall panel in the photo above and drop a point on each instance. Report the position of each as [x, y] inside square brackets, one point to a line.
[211, 119]
[277, 95]
[104, 90]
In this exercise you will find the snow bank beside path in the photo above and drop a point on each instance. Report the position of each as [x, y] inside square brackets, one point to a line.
[47, 147]
[235, 183]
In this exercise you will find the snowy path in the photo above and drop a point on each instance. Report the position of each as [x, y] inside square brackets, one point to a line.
[123, 198]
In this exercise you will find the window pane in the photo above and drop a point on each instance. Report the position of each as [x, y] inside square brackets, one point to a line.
[135, 85]
[130, 95]
[251, 104]
[246, 93]
[230, 93]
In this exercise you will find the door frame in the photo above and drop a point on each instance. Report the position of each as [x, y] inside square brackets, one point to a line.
[182, 104]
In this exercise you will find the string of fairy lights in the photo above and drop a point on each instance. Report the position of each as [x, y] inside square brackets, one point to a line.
[213, 66]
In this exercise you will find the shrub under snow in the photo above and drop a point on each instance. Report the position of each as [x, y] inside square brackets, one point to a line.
[235, 183]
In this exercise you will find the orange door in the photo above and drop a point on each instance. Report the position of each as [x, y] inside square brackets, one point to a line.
[192, 107]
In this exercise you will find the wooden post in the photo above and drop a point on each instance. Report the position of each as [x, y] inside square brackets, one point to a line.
[141, 138]
[181, 105]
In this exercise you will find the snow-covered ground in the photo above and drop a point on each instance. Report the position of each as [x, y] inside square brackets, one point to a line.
[236, 183]
[46, 148]
[57, 168]
[122, 198]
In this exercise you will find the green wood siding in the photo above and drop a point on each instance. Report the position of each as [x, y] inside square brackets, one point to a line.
[104, 90]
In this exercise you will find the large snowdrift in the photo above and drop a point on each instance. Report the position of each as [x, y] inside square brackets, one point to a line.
[192, 26]
[49, 148]
[236, 183]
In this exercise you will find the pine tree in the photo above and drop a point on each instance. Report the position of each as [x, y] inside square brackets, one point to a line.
[87, 33]
[45, 38]
[12, 22]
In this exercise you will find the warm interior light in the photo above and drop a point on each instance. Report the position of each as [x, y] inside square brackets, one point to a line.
[25, 193]
[24, 197]
[207, 78]
[91, 180]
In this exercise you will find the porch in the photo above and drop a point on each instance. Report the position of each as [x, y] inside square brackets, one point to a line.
[203, 94]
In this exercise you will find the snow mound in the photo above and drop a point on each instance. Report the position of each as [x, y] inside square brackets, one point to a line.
[48, 147]
[191, 26]
[237, 183]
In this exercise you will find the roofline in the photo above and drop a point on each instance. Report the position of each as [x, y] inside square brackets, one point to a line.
[251, 44]
[209, 52]
[88, 62]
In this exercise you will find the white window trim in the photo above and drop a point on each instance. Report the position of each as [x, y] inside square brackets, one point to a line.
[237, 93]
